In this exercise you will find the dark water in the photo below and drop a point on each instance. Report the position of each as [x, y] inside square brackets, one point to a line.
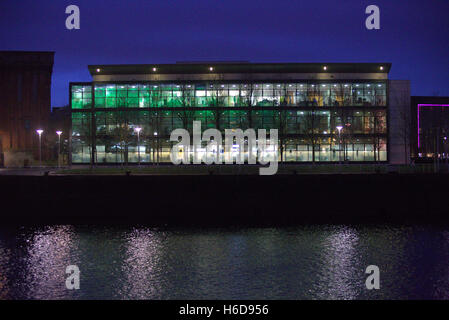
[316, 262]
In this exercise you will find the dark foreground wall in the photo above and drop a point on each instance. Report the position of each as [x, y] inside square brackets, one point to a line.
[225, 200]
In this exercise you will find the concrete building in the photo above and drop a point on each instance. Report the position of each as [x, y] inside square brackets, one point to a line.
[324, 112]
[25, 79]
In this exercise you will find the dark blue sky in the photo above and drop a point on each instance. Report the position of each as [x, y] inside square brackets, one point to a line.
[414, 35]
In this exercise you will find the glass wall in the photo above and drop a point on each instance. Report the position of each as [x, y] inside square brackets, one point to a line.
[306, 115]
[81, 137]
[237, 95]
[81, 97]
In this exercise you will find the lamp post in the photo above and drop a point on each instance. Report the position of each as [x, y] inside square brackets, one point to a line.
[339, 128]
[157, 148]
[39, 132]
[138, 143]
[445, 141]
[59, 147]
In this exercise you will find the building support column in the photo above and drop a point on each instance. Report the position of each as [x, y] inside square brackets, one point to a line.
[93, 130]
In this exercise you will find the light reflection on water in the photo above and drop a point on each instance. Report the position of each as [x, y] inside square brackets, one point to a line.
[339, 273]
[48, 253]
[4, 269]
[314, 262]
[141, 264]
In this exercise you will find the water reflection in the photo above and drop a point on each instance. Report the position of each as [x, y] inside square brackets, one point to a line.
[49, 252]
[441, 287]
[5, 254]
[313, 262]
[141, 265]
[340, 273]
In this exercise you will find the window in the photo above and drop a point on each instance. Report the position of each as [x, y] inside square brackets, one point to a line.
[81, 97]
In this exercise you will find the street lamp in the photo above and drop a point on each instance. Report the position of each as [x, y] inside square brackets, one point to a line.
[446, 151]
[157, 149]
[59, 147]
[138, 142]
[39, 132]
[339, 128]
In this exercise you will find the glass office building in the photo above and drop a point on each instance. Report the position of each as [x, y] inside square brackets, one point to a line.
[323, 112]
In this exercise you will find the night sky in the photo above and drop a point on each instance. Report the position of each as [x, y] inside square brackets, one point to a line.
[414, 35]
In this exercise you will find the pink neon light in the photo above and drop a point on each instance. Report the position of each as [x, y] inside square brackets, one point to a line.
[427, 105]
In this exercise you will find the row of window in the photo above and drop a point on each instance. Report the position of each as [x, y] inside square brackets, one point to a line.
[228, 95]
[296, 150]
[287, 122]
[111, 89]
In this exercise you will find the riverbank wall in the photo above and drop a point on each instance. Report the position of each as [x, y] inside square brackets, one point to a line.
[228, 200]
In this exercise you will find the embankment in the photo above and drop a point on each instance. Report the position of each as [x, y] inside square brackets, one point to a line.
[214, 200]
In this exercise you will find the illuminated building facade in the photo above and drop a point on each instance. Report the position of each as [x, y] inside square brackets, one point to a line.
[306, 102]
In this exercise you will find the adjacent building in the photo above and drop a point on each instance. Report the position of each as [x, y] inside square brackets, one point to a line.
[430, 128]
[324, 112]
[25, 79]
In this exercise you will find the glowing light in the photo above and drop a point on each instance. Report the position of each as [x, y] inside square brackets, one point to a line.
[98, 70]
[40, 131]
[381, 67]
[211, 69]
[154, 69]
[45, 249]
[59, 133]
[325, 68]
[137, 129]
